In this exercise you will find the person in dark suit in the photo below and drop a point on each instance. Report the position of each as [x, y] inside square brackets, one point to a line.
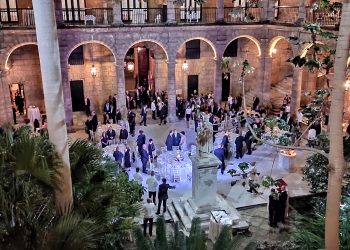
[273, 203]
[169, 141]
[220, 154]
[89, 127]
[143, 115]
[141, 139]
[163, 195]
[104, 140]
[176, 138]
[256, 102]
[248, 141]
[151, 148]
[110, 133]
[123, 135]
[144, 158]
[289, 121]
[163, 114]
[225, 142]
[118, 116]
[132, 123]
[118, 156]
[239, 146]
[108, 109]
[94, 122]
[127, 158]
[282, 204]
[87, 106]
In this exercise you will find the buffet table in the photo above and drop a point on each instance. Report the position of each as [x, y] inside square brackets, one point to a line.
[175, 166]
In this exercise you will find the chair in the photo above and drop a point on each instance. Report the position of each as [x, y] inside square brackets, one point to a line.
[91, 18]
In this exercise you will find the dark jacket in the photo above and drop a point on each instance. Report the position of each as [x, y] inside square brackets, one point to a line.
[151, 148]
[239, 141]
[164, 111]
[248, 137]
[118, 156]
[176, 139]
[141, 139]
[123, 134]
[110, 134]
[127, 162]
[220, 154]
[169, 142]
[144, 156]
[163, 190]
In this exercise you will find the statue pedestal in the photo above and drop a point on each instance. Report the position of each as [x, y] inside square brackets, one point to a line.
[204, 181]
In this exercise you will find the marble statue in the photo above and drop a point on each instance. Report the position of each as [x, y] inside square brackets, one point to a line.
[205, 137]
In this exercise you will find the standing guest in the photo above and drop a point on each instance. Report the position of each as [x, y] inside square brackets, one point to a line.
[239, 100]
[118, 156]
[141, 139]
[107, 109]
[114, 111]
[256, 102]
[282, 204]
[143, 115]
[87, 106]
[123, 136]
[299, 117]
[215, 127]
[183, 141]
[127, 158]
[153, 109]
[273, 203]
[89, 127]
[188, 113]
[144, 158]
[14, 113]
[104, 140]
[152, 185]
[163, 113]
[176, 138]
[225, 142]
[163, 195]
[111, 133]
[169, 141]
[139, 179]
[239, 145]
[132, 123]
[220, 154]
[36, 125]
[151, 149]
[118, 116]
[149, 209]
[248, 141]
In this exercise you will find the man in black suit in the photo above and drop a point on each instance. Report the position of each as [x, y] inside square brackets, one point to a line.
[256, 102]
[220, 154]
[163, 195]
[239, 146]
[144, 158]
[273, 204]
[151, 148]
[123, 136]
[248, 141]
[163, 113]
[143, 115]
[141, 139]
[132, 123]
[225, 142]
[169, 141]
[282, 204]
[176, 138]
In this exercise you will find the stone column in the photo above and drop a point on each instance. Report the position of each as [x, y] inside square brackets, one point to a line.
[121, 102]
[268, 11]
[171, 92]
[264, 73]
[219, 11]
[302, 12]
[160, 75]
[46, 33]
[170, 12]
[296, 90]
[59, 13]
[117, 13]
[218, 81]
[204, 182]
[5, 100]
[67, 94]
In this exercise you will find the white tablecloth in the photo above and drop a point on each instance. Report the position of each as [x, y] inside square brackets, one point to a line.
[174, 170]
[218, 220]
[33, 113]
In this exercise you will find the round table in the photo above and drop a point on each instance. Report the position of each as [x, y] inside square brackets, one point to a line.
[173, 169]
[33, 113]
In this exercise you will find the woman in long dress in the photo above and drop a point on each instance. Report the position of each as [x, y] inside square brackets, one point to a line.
[183, 141]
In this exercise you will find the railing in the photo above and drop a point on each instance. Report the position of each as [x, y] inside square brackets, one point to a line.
[94, 16]
[143, 15]
[286, 14]
[17, 17]
[195, 15]
[242, 14]
[323, 17]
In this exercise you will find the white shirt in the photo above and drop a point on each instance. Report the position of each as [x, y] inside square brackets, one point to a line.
[300, 117]
[152, 184]
[153, 106]
[312, 134]
[138, 178]
[188, 111]
[287, 109]
[149, 210]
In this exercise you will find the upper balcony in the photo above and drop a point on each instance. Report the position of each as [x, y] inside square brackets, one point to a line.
[147, 12]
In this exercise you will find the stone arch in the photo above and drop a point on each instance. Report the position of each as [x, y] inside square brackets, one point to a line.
[253, 39]
[90, 42]
[150, 41]
[13, 49]
[306, 48]
[274, 42]
[211, 44]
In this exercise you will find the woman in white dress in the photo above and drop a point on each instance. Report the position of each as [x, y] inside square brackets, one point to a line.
[183, 143]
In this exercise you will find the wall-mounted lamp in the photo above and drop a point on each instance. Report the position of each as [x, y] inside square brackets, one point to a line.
[274, 51]
[130, 66]
[185, 66]
[347, 85]
[93, 71]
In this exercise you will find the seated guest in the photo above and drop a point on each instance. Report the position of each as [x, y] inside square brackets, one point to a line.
[118, 156]
[36, 125]
[123, 136]
[104, 140]
[110, 133]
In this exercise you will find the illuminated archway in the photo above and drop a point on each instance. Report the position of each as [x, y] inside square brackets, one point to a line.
[13, 49]
[203, 39]
[273, 44]
[253, 39]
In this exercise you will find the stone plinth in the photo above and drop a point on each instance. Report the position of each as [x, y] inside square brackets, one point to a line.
[204, 181]
[286, 160]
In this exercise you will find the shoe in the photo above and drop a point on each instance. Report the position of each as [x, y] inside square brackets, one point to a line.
[236, 157]
[249, 191]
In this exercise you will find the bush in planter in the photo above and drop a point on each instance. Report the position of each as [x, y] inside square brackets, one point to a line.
[316, 173]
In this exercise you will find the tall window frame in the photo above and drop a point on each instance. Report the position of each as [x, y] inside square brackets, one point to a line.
[128, 7]
[73, 10]
[9, 11]
[188, 6]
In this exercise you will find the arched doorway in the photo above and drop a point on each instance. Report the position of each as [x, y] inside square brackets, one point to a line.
[25, 83]
[239, 49]
[195, 68]
[92, 75]
[281, 70]
[146, 72]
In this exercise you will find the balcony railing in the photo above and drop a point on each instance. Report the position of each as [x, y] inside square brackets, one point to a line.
[143, 16]
[17, 17]
[286, 14]
[323, 17]
[242, 14]
[195, 15]
[94, 16]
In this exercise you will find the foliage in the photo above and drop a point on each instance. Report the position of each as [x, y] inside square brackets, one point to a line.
[266, 245]
[196, 239]
[316, 173]
[268, 182]
[161, 242]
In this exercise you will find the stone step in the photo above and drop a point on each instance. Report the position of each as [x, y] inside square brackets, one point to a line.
[182, 215]
[173, 214]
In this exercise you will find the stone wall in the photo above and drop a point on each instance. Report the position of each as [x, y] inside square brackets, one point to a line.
[280, 67]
